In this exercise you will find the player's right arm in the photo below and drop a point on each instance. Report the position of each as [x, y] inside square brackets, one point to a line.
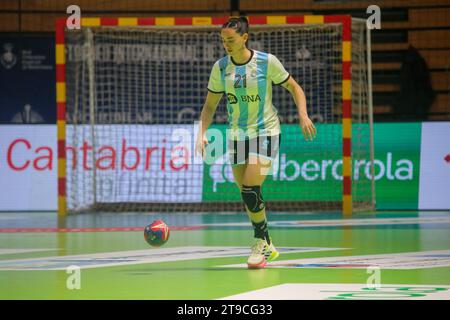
[206, 118]
[215, 92]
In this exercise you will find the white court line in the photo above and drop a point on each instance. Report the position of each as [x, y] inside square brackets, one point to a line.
[340, 222]
[122, 258]
[399, 261]
[345, 291]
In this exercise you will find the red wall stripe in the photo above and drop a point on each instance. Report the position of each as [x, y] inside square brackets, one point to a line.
[347, 185]
[109, 21]
[61, 149]
[181, 21]
[146, 21]
[347, 29]
[346, 70]
[61, 111]
[60, 73]
[60, 27]
[334, 18]
[219, 20]
[62, 187]
[347, 109]
[295, 19]
[347, 147]
[257, 20]
[346, 25]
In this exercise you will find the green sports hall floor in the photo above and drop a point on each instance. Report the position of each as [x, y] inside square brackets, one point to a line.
[383, 255]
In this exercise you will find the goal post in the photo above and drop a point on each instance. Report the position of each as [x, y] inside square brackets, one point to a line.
[124, 85]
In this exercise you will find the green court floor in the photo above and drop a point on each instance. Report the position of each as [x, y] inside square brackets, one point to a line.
[387, 255]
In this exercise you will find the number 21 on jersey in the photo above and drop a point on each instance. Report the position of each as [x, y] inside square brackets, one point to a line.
[240, 81]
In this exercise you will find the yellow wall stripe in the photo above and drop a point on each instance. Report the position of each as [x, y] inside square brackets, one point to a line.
[347, 167]
[346, 51]
[90, 22]
[61, 127]
[347, 89]
[60, 54]
[60, 92]
[314, 19]
[61, 168]
[346, 128]
[276, 19]
[62, 206]
[201, 21]
[347, 206]
[164, 21]
[126, 22]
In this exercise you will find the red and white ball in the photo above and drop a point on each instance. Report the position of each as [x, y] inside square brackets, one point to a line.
[157, 233]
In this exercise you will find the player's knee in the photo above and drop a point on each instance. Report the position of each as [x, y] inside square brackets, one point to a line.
[251, 195]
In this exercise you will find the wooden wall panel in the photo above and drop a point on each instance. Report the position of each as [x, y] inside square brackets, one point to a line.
[429, 39]
[430, 17]
[436, 59]
[441, 80]
[255, 5]
[441, 104]
[9, 5]
[124, 5]
[421, 18]
[39, 22]
[9, 22]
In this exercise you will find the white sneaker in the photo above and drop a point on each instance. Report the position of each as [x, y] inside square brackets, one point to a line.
[257, 259]
[271, 252]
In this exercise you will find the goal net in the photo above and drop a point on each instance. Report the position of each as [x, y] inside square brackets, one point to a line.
[134, 95]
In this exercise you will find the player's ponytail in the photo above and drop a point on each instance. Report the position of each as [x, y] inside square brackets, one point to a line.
[240, 24]
[245, 24]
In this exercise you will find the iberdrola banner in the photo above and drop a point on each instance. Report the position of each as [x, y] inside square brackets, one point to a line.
[312, 171]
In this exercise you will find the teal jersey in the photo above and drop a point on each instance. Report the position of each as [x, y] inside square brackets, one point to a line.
[248, 88]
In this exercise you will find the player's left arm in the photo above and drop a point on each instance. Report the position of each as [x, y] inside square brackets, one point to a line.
[308, 129]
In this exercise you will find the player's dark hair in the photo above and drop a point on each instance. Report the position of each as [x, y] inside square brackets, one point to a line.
[239, 24]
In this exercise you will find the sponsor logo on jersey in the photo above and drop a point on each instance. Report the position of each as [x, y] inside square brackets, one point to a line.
[251, 98]
[232, 99]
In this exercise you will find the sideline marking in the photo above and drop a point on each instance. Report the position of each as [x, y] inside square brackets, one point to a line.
[122, 258]
[403, 261]
[340, 222]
